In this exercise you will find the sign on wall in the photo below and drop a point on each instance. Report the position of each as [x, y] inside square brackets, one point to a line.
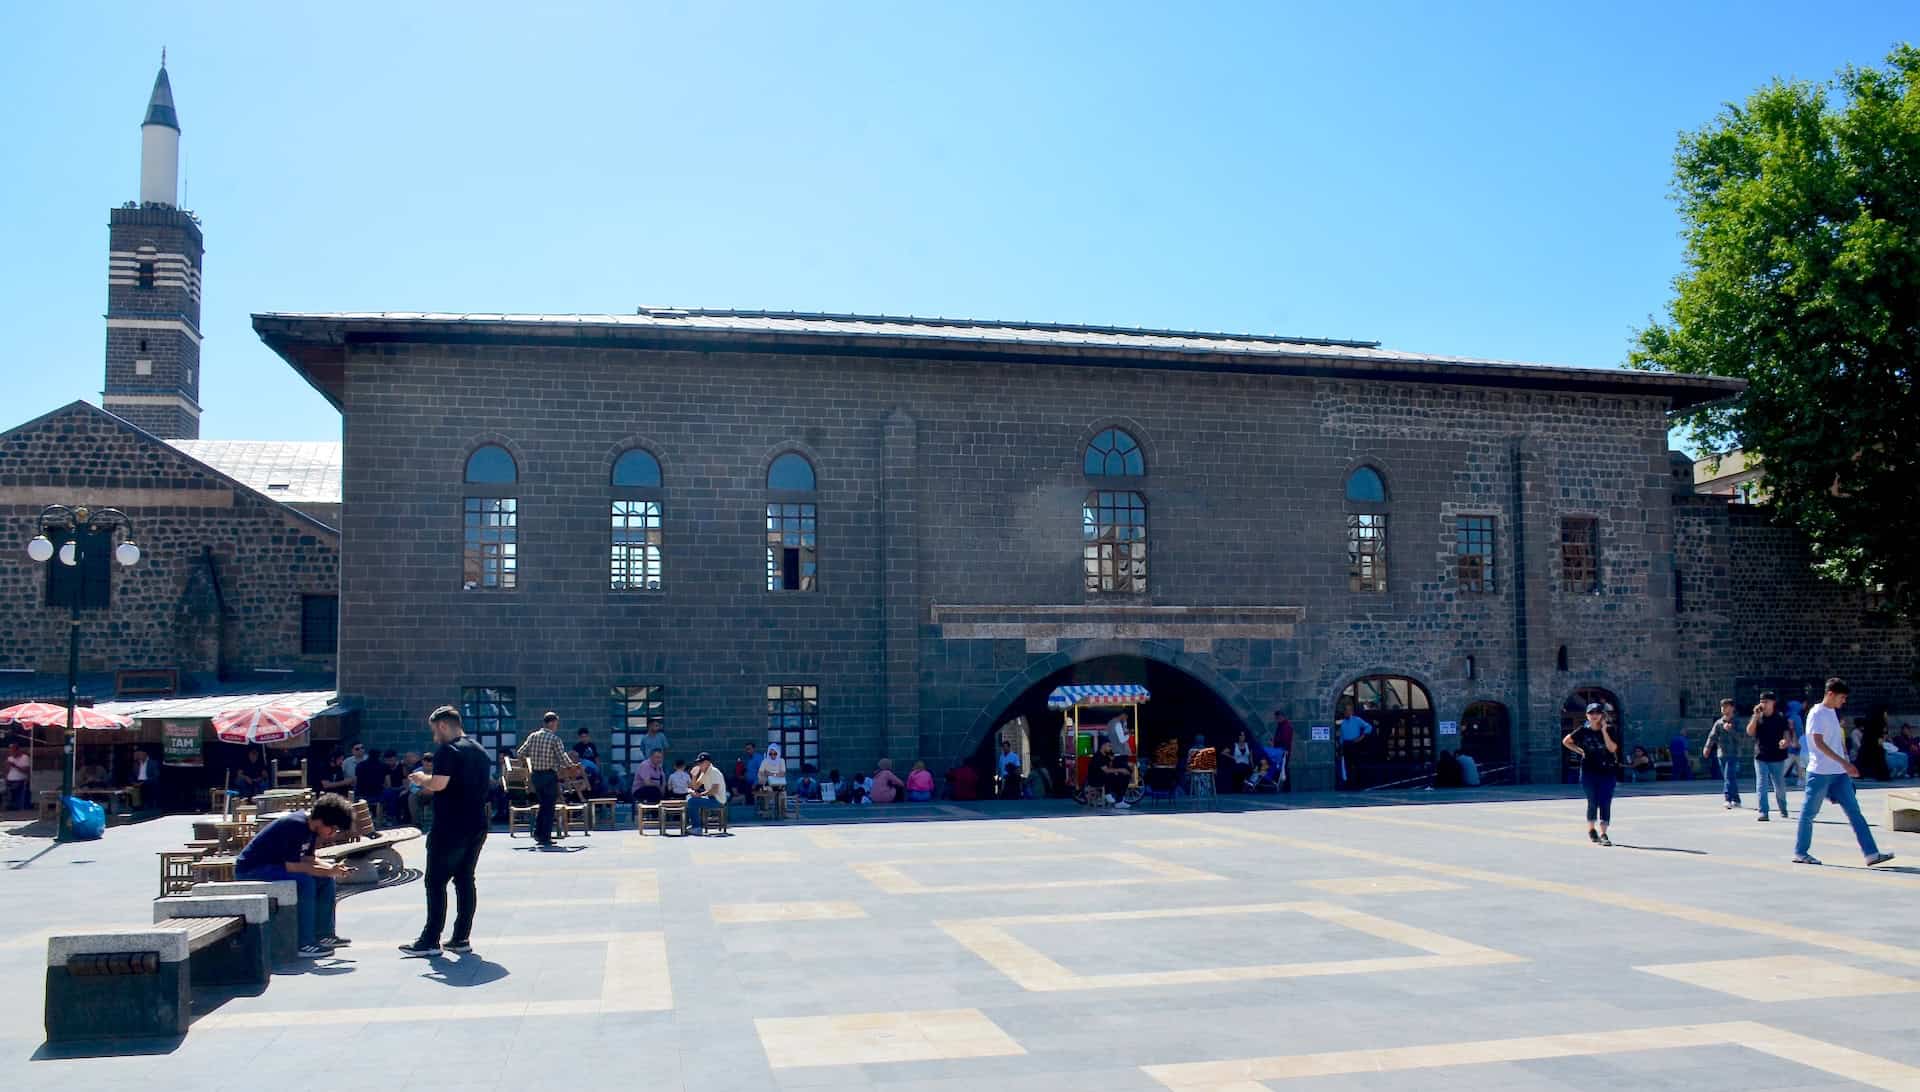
[181, 745]
[1322, 733]
[1449, 727]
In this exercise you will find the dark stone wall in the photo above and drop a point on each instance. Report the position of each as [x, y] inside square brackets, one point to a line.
[166, 612]
[174, 354]
[973, 472]
[1756, 615]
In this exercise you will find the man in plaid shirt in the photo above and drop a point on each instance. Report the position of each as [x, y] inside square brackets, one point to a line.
[543, 753]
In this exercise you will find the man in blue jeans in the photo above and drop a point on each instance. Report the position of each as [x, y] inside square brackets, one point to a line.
[707, 790]
[1830, 777]
[283, 850]
[1772, 735]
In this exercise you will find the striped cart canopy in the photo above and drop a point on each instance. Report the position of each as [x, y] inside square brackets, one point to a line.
[1065, 697]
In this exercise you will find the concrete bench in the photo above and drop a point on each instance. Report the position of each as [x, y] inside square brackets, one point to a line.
[1903, 810]
[235, 953]
[132, 984]
[283, 920]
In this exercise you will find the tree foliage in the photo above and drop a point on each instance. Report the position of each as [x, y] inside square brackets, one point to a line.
[1802, 224]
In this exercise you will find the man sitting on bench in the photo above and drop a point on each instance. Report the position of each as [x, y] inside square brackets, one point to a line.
[283, 850]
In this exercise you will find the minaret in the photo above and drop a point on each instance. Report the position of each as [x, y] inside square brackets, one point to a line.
[153, 288]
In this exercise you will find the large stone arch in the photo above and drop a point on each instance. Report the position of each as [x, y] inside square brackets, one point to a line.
[1158, 652]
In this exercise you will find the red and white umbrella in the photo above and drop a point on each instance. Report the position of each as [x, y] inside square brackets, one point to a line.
[40, 714]
[263, 724]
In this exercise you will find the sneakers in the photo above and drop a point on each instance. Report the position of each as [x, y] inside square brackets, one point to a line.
[416, 950]
[1109, 799]
[1784, 815]
[334, 942]
[1763, 818]
[1879, 858]
[1593, 836]
[315, 951]
[1122, 806]
[1805, 858]
[458, 947]
[1605, 841]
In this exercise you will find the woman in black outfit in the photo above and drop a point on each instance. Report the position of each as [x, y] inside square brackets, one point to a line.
[1599, 768]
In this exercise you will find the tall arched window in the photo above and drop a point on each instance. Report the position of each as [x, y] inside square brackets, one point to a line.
[1113, 521]
[1366, 504]
[793, 524]
[489, 558]
[636, 522]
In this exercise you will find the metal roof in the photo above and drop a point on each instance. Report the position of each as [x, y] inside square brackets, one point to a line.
[287, 471]
[311, 703]
[316, 345]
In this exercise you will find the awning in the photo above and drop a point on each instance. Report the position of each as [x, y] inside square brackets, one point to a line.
[308, 703]
[1064, 697]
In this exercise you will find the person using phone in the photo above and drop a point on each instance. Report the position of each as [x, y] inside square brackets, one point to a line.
[1599, 754]
[284, 850]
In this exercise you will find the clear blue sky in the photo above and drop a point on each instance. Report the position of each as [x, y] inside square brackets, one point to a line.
[1470, 179]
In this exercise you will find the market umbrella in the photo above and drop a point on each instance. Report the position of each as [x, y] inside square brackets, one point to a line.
[262, 724]
[40, 714]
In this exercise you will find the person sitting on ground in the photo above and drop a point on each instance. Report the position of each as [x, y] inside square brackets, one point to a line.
[251, 777]
[830, 789]
[1110, 776]
[963, 783]
[1469, 770]
[862, 789]
[1261, 778]
[284, 850]
[887, 786]
[773, 779]
[679, 782]
[650, 779]
[919, 783]
[1640, 767]
[709, 790]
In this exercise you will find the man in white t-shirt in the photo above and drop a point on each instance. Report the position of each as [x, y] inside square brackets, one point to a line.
[1830, 776]
[708, 790]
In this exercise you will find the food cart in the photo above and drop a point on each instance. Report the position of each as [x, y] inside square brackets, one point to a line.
[1080, 736]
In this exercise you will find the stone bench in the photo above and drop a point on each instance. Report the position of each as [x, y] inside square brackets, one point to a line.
[132, 984]
[283, 921]
[240, 956]
[1903, 810]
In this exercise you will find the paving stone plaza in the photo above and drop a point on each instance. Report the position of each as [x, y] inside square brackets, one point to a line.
[1435, 940]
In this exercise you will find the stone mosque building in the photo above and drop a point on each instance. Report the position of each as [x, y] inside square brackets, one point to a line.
[868, 535]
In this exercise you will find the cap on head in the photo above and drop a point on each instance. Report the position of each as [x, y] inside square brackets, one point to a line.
[703, 757]
[1596, 707]
[1768, 695]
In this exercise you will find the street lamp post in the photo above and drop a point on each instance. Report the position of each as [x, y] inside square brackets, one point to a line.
[79, 524]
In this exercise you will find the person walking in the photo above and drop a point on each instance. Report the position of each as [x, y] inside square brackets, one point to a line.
[544, 754]
[461, 774]
[1830, 777]
[1723, 743]
[1599, 755]
[1772, 736]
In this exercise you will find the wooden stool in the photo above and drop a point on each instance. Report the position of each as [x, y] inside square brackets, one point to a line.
[607, 804]
[715, 819]
[212, 869]
[176, 870]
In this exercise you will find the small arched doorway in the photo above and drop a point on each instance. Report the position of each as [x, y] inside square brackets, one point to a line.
[1573, 714]
[1180, 708]
[1486, 734]
[1385, 727]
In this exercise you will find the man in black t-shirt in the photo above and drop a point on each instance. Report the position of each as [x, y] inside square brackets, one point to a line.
[460, 779]
[1772, 735]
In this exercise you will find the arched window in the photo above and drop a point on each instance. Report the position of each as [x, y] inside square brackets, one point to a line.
[1113, 522]
[1115, 454]
[793, 525]
[1385, 727]
[1366, 500]
[637, 516]
[490, 556]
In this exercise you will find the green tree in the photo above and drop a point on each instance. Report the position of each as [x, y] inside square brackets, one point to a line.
[1802, 225]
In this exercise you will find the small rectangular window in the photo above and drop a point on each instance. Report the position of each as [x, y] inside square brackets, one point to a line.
[636, 545]
[792, 542]
[793, 722]
[637, 710]
[1113, 543]
[143, 275]
[1579, 555]
[490, 717]
[490, 557]
[1473, 551]
[1366, 552]
[319, 625]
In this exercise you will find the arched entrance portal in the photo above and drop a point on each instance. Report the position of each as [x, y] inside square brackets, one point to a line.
[1573, 714]
[1385, 727]
[1486, 734]
[1181, 707]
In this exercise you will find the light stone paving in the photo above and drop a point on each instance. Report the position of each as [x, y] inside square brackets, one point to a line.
[1425, 945]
